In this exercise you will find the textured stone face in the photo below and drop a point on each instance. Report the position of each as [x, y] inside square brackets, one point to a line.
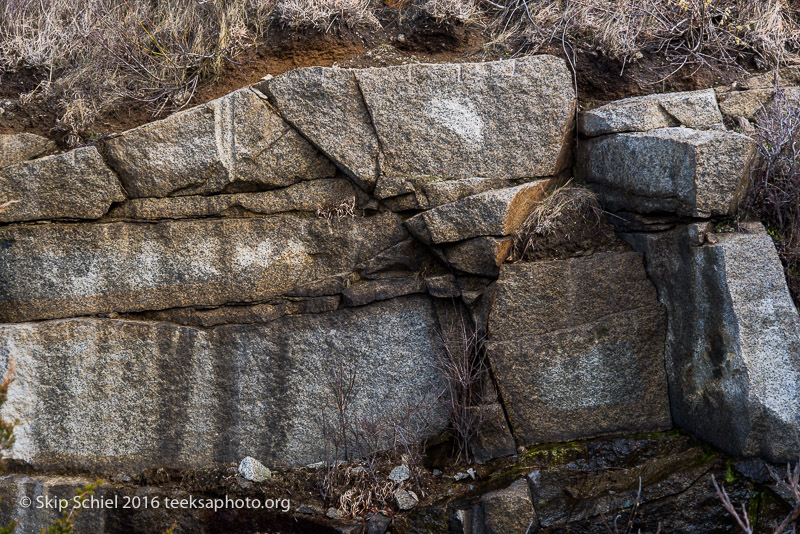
[502, 119]
[234, 143]
[304, 196]
[494, 213]
[679, 170]
[510, 510]
[694, 109]
[567, 339]
[326, 105]
[481, 255]
[117, 267]
[15, 148]
[733, 342]
[104, 394]
[73, 185]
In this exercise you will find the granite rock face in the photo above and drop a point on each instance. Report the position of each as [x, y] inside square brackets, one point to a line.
[494, 213]
[307, 196]
[510, 510]
[15, 148]
[327, 106]
[567, 338]
[72, 185]
[679, 170]
[123, 267]
[693, 109]
[733, 338]
[107, 394]
[502, 119]
[233, 144]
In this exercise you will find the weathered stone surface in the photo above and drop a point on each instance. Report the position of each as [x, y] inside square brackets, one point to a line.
[502, 119]
[480, 255]
[443, 286]
[510, 510]
[326, 106]
[107, 395]
[235, 143]
[567, 339]
[15, 148]
[253, 470]
[383, 289]
[123, 267]
[580, 489]
[432, 191]
[748, 104]
[680, 170]
[72, 185]
[733, 338]
[546, 296]
[406, 500]
[493, 438]
[693, 109]
[494, 213]
[304, 196]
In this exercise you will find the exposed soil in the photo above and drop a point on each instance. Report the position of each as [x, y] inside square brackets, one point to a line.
[600, 79]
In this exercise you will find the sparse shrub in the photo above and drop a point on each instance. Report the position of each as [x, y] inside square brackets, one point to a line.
[788, 484]
[774, 193]
[363, 445]
[462, 364]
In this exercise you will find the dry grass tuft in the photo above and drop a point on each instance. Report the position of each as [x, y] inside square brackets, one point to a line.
[693, 33]
[462, 11]
[98, 54]
[324, 14]
[567, 221]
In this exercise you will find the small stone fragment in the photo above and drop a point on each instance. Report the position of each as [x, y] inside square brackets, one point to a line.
[406, 500]
[400, 473]
[252, 469]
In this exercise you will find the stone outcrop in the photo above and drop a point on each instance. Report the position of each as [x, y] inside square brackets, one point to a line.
[733, 338]
[232, 144]
[123, 267]
[193, 297]
[72, 185]
[694, 109]
[502, 119]
[567, 338]
[16, 148]
[308, 197]
[509, 510]
[107, 394]
[679, 170]
[494, 213]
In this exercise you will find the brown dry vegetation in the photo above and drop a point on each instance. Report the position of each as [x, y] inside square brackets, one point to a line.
[82, 61]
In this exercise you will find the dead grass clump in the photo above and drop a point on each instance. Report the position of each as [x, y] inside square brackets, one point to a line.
[693, 33]
[567, 223]
[462, 11]
[99, 53]
[774, 193]
[324, 14]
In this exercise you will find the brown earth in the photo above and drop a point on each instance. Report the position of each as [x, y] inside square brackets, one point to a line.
[600, 79]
